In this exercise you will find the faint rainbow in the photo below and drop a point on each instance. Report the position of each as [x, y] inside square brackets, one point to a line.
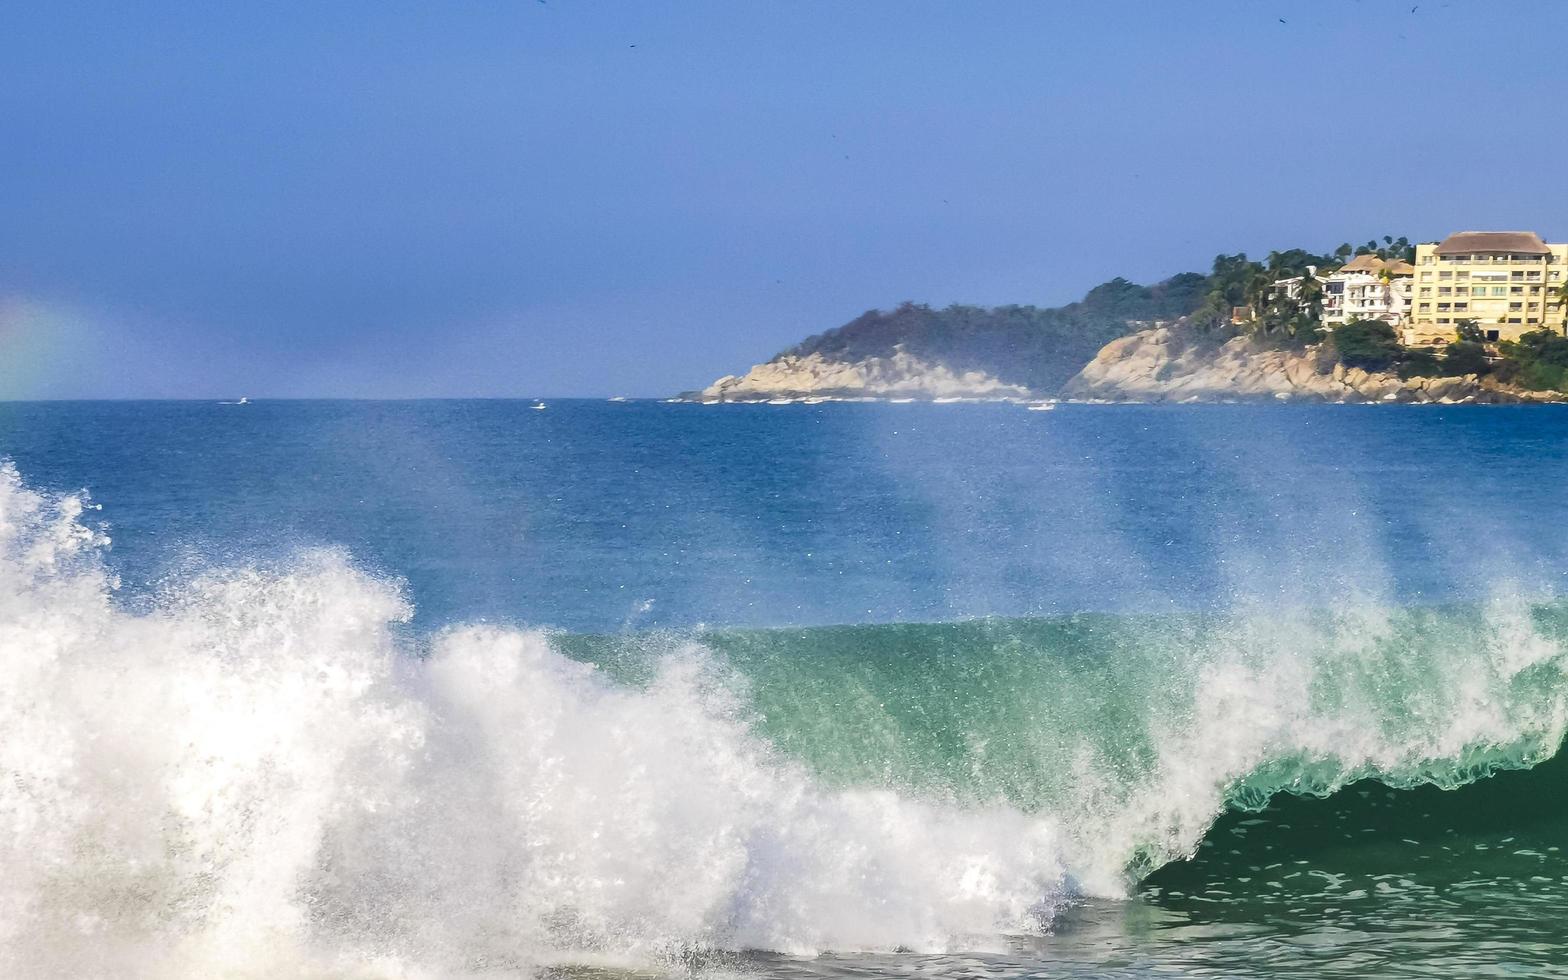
[42, 346]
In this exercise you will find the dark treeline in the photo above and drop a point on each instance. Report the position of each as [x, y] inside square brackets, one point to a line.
[1028, 345]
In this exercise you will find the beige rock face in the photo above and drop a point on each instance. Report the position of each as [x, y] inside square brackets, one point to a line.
[900, 376]
[1165, 364]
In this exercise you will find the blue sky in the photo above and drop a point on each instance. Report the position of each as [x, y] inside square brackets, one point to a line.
[556, 198]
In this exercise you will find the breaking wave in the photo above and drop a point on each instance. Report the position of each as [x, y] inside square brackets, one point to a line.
[266, 771]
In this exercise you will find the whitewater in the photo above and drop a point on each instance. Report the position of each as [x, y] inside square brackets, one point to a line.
[264, 771]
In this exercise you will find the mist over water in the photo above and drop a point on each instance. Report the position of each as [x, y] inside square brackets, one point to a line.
[268, 762]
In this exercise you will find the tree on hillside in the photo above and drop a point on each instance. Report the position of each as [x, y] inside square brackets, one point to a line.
[1469, 331]
[1560, 300]
[1307, 319]
[1289, 313]
[1538, 360]
[1260, 293]
[1391, 249]
[1230, 284]
[1370, 345]
[1465, 357]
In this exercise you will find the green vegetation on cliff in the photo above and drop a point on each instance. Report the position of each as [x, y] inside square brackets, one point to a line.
[1537, 361]
[1026, 345]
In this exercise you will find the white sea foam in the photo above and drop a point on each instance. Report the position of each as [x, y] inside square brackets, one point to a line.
[259, 779]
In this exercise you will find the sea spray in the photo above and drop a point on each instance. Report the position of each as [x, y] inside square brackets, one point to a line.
[265, 773]
[258, 777]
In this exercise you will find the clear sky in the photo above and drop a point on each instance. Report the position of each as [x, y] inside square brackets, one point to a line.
[562, 197]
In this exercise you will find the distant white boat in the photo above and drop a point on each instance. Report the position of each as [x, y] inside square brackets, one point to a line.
[900, 401]
[242, 401]
[539, 406]
[1042, 407]
[618, 398]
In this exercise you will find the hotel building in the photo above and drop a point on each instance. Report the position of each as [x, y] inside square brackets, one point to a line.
[1504, 280]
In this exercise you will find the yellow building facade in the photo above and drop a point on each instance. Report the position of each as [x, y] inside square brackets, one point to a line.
[1507, 281]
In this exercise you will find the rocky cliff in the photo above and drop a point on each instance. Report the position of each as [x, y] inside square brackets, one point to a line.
[1169, 364]
[900, 375]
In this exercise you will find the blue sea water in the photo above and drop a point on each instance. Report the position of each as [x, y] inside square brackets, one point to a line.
[596, 516]
[467, 688]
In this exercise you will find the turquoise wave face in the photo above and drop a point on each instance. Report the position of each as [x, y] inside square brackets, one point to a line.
[1310, 793]
[1138, 732]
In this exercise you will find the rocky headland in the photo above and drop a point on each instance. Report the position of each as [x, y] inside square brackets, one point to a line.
[1173, 341]
[1168, 363]
[901, 375]
[1171, 363]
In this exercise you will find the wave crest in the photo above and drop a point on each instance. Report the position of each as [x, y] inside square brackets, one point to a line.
[264, 772]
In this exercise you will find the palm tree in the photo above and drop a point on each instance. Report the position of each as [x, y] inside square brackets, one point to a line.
[1308, 316]
[1309, 296]
[1560, 300]
[1258, 292]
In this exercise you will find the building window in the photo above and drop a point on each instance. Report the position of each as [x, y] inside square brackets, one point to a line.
[1461, 306]
[1426, 307]
[1444, 319]
[1445, 290]
[1426, 277]
[1445, 274]
[1499, 290]
[1491, 335]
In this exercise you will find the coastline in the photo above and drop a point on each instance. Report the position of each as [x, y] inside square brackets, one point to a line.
[1160, 364]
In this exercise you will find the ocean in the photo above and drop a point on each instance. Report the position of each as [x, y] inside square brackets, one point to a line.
[611, 689]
